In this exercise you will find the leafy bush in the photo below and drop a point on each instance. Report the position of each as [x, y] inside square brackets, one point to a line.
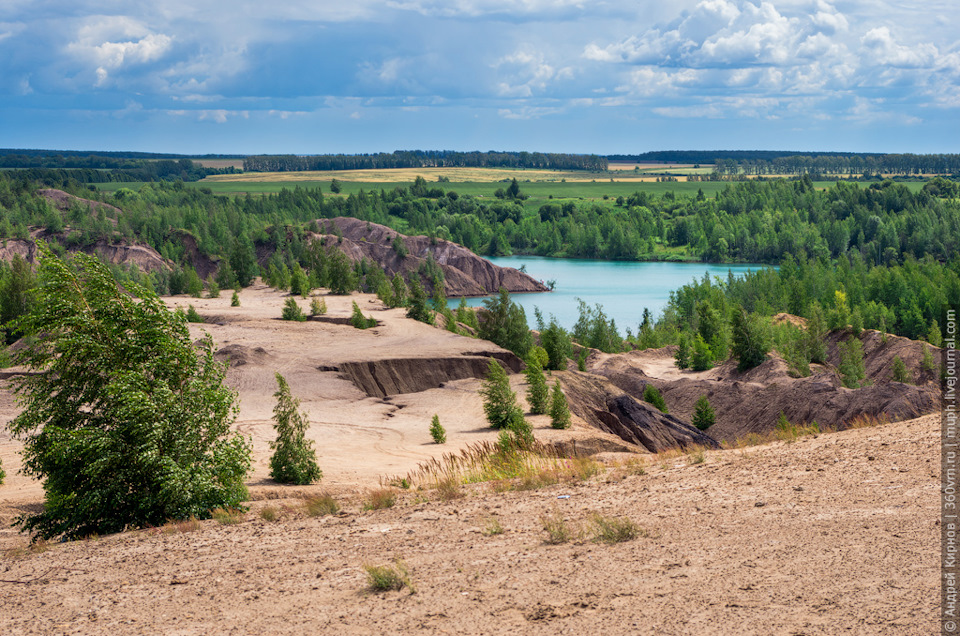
[652, 396]
[127, 423]
[294, 461]
[437, 431]
[292, 311]
[559, 411]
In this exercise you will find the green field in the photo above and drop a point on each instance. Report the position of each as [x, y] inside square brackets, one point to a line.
[538, 191]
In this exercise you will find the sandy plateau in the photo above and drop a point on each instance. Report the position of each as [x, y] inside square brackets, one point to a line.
[831, 534]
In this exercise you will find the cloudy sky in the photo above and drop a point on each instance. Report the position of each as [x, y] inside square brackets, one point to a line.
[605, 76]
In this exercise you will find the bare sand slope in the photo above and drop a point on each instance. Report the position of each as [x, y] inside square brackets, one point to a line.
[829, 535]
[359, 439]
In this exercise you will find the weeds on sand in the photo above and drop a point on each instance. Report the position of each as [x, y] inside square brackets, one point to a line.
[599, 529]
[493, 527]
[557, 528]
[269, 513]
[380, 499]
[615, 529]
[868, 421]
[36, 547]
[449, 489]
[321, 505]
[695, 455]
[226, 517]
[383, 578]
[523, 466]
[182, 526]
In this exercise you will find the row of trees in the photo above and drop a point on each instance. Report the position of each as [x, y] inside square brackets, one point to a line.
[425, 159]
[841, 164]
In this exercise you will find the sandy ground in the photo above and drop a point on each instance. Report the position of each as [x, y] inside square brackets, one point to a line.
[830, 535]
[835, 534]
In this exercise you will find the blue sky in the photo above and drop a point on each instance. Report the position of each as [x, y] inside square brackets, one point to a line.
[313, 76]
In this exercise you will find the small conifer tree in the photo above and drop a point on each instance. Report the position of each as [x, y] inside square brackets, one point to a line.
[213, 290]
[437, 432]
[318, 306]
[192, 315]
[358, 320]
[703, 415]
[652, 396]
[682, 356]
[235, 299]
[538, 393]
[702, 358]
[900, 373]
[559, 411]
[294, 461]
[292, 311]
[852, 371]
[499, 402]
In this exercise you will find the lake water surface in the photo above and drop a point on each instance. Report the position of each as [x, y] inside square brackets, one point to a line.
[623, 288]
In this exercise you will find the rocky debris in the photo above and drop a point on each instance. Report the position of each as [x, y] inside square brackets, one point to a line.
[751, 402]
[604, 406]
[465, 273]
[235, 355]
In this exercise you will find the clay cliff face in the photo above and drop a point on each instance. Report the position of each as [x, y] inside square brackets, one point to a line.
[146, 258]
[465, 273]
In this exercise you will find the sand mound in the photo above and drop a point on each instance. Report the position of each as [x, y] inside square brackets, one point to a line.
[751, 402]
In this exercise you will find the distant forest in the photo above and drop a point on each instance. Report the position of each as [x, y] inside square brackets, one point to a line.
[732, 163]
[56, 169]
[426, 159]
[884, 233]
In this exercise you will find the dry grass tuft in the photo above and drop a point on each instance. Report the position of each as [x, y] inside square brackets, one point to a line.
[522, 468]
[383, 578]
[226, 517]
[321, 505]
[269, 513]
[182, 526]
[380, 499]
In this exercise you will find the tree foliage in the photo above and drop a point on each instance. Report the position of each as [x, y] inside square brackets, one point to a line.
[538, 392]
[703, 415]
[126, 422]
[559, 410]
[751, 340]
[504, 322]
[651, 395]
[294, 460]
[499, 401]
[437, 432]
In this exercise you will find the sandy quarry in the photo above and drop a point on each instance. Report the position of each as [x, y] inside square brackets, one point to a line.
[827, 535]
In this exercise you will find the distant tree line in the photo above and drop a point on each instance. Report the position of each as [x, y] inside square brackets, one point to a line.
[710, 156]
[425, 159]
[832, 165]
[58, 169]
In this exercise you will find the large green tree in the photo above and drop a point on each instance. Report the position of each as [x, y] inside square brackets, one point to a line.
[126, 421]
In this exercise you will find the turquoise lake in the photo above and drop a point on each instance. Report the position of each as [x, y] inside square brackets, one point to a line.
[623, 288]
